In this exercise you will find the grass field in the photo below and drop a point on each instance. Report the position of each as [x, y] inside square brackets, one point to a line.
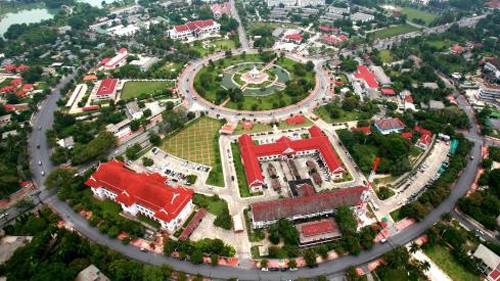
[346, 115]
[385, 56]
[419, 14]
[136, 89]
[214, 205]
[393, 31]
[215, 46]
[443, 258]
[396, 215]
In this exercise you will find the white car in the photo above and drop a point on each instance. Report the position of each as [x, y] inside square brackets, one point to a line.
[264, 269]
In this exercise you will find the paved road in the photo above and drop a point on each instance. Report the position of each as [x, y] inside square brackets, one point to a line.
[472, 225]
[241, 30]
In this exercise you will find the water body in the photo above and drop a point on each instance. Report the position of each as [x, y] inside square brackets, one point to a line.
[24, 16]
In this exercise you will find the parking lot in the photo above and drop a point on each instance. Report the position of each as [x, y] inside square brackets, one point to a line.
[174, 168]
[424, 176]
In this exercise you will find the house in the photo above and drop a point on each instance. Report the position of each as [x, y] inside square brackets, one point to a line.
[490, 262]
[408, 103]
[361, 17]
[120, 59]
[456, 49]
[425, 137]
[366, 76]
[142, 194]
[68, 142]
[194, 29]
[17, 107]
[267, 213]
[105, 89]
[493, 65]
[91, 273]
[9, 133]
[388, 92]
[389, 125]
[5, 120]
[365, 130]
[316, 232]
[296, 3]
[296, 120]
[293, 38]
[333, 40]
[285, 148]
[219, 10]
[328, 29]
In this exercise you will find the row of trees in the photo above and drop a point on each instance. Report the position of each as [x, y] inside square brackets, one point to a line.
[195, 251]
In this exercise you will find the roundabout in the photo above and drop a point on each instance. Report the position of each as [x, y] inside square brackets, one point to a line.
[251, 84]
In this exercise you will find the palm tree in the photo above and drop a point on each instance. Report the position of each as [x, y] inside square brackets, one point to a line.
[414, 247]
[425, 265]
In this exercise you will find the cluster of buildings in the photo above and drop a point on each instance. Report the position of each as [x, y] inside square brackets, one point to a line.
[295, 3]
[318, 144]
[194, 30]
[18, 87]
[394, 125]
[336, 13]
[220, 10]
[142, 194]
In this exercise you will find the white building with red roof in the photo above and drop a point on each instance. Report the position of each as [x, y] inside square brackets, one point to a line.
[105, 89]
[120, 59]
[194, 29]
[285, 148]
[389, 125]
[333, 39]
[219, 10]
[293, 38]
[144, 194]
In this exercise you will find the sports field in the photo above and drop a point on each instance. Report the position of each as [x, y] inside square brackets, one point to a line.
[393, 31]
[419, 14]
[136, 89]
[197, 142]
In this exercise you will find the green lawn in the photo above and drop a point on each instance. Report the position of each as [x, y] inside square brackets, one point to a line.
[396, 215]
[213, 204]
[419, 14]
[199, 142]
[149, 221]
[385, 56]
[111, 208]
[215, 46]
[240, 173]
[136, 89]
[443, 258]
[393, 31]
[345, 115]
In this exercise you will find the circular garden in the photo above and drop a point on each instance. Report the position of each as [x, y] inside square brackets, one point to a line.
[254, 82]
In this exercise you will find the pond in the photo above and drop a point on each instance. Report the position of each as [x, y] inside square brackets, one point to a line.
[24, 16]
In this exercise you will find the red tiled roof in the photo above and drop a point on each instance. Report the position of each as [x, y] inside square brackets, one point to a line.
[407, 135]
[27, 86]
[495, 273]
[325, 28]
[388, 92]
[22, 68]
[366, 130]
[105, 61]
[195, 221]
[16, 81]
[295, 37]
[284, 146]
[107, 87]
[408, 99]
[318, 227]
[8, 107]
[365, 74]
[90, 107]
[297, 119]
[247, 125]
[457, 49]
[218, 9]
[334, 39]
[390, 123]
[6, 89]
[426, 135]
[147, 190]
[194, 25]
[290, 207]
[89, 77]
[122, 50]
[493, 4]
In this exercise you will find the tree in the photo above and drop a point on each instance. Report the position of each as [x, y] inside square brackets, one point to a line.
[132, 151]
[264, 263]
[310, 257]
[414, 247]
[288, 231]
[59, 177]
[155, 139]
[147, 161]
[292, 263]
[152, 273]
[135, 125]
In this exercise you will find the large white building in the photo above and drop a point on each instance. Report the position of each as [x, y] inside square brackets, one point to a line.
[142, 194]
[297, 3]
[489, 93]
[194, 29]
[120, 59]
[493, 65]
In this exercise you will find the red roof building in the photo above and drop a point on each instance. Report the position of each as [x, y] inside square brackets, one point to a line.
[194, 29]
[295, 38]
[27, 87]
[247, 125]
[327, 29]
[219, 10]
[333, 40]
[90, 108]
[367, 76]
[425, 137]
[106, 89]
[16, 82]
[315, 232]
[7, 89]
[407, 135]
[457, 49]
[268, 213]
[388, 92]
[145, 194]
[365, 130]
[296, 120]
[389, 125]
[120, 59]
[252, 154]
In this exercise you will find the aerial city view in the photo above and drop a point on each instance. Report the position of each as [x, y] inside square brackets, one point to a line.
[250, 140]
